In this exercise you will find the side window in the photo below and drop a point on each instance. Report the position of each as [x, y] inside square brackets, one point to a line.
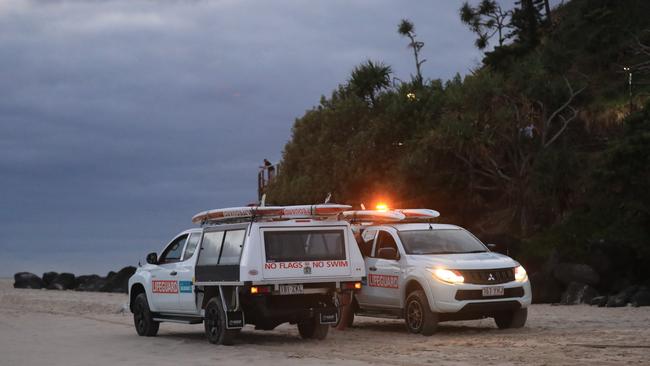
[367, 238]
[232, 245]
[190, 248]
[173, 252]
[384, 240]
[210, 248]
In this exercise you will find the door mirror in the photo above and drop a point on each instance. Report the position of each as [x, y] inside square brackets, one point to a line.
[388, 253]
[152, 258]
[492, 247]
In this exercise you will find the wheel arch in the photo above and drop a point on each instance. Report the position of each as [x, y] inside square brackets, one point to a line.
[135, 290]
[414, 284]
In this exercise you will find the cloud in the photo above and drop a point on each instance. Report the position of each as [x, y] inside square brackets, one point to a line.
[119, 119]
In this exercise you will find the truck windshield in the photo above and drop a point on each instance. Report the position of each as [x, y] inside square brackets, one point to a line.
[450, 241]
[311, 245]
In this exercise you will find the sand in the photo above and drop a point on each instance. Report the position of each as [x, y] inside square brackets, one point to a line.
[41, 327]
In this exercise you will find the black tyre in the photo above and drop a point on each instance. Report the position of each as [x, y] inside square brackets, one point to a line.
[313, 329]
[511, 319]
[142, 318]
[215, 324]
[418, 315]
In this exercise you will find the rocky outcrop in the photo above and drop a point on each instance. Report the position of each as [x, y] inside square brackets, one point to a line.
[48, 277]
[27, 280]
[578, 293]
[118, 282]
[622, 298]
[62, 281]
[89, 283]
[641, 297]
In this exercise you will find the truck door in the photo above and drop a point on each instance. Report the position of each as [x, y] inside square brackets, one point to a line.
[383, 274]
[186, 295]
[164, 278]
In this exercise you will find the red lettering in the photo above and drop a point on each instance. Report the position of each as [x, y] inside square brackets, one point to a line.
[270, 266]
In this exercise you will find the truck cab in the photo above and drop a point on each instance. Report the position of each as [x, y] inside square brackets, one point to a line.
[426, 273]
[263, 271]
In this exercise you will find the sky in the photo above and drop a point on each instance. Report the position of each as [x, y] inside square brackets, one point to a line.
[120, 119]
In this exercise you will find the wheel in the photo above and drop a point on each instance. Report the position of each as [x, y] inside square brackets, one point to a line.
[313, 329]
[418, 315]
[511, 319]
[215, 324]
[142, 318]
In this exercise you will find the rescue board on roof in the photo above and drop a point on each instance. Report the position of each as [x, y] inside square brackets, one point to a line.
[288, 212]
[371, 215]
[419, 213]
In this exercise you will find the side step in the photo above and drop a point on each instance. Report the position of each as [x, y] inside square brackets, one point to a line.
[178, 319]
[380, 314]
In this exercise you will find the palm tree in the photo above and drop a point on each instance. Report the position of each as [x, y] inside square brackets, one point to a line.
[407, 29]
[368, 79]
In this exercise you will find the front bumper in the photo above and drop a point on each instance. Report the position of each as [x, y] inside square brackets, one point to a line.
[467, 298]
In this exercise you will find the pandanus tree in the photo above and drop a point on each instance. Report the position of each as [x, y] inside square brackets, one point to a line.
[368, 79]
[407, 29]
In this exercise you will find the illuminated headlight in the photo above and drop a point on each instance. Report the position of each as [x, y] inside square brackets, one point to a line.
[449, 276]
[520, 274]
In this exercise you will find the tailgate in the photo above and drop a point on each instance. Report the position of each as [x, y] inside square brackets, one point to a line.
[304, 253]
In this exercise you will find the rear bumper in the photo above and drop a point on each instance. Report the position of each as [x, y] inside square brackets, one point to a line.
[269, 311]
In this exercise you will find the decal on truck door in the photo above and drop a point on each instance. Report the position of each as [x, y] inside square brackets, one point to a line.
[185, 287]
[164, 287]
[383, 281]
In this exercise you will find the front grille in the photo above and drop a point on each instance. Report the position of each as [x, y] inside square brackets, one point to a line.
[488, 276]
[478, 294]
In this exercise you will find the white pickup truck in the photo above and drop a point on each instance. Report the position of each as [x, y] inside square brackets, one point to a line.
[426, 273]
[250, 266]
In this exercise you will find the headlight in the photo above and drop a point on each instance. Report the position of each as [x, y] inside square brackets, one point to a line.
[449, 276]
[520, 274]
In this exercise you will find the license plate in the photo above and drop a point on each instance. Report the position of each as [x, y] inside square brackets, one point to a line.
[493, 291]
[326, 318]
[291, 289]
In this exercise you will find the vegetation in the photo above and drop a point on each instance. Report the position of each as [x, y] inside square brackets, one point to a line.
[533, 145]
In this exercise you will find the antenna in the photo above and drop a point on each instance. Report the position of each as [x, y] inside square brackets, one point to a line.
[327, 199]
[263, 200]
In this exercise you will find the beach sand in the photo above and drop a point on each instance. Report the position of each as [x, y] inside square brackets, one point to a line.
[41, 327]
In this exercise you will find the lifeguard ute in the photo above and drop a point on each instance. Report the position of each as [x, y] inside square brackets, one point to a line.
[425, 273]
[250, 265]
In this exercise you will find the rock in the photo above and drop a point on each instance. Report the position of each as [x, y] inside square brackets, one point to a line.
[546, 289]
[622, 298]
[89, 283]
[118, 282]
[578, 293]
[27, 280]
[570, 272]
[48, 277]
[641, 297]
[600, 301]
[63, 281]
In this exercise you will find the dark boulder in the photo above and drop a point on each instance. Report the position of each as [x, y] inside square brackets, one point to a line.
[571, 272]
[118, 282]
[546, 289]
[63, 281]
[578, 293]
[27, 280]
[641, 297]
[48, 277]
[599, 301]
[89, 283]
[622, 298]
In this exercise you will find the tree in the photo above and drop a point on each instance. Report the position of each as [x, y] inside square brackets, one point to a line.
[486, 20]
[368, 79]
[544, 4]
[525, 22]
[407, 29]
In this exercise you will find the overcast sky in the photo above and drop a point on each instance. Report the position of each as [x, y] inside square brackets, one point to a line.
[121, 119]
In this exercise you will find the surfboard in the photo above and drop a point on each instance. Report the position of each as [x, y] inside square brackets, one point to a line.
[419, 213]
[280, 212]
[371, 215]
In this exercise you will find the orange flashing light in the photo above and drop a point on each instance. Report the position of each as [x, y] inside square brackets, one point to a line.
[381, 207]
[255, 290]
